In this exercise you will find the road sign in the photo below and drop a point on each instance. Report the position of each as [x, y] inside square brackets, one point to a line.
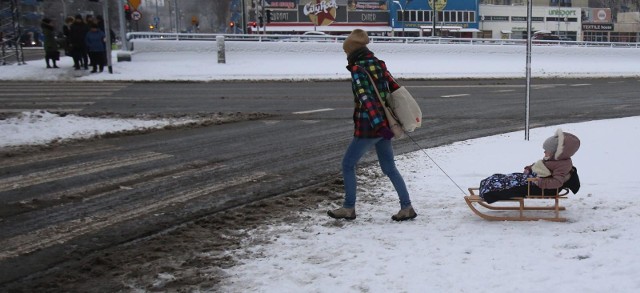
[440, 4]
[135, 3]
[136, 15]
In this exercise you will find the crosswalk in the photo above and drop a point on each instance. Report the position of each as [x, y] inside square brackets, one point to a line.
[58, 97]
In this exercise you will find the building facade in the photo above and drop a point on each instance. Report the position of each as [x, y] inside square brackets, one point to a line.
[496, 19]
[510, 22]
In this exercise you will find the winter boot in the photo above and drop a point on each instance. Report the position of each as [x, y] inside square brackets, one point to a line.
[343, 213]
[405, 214]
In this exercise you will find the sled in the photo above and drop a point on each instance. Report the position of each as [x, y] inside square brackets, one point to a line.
[518, 207]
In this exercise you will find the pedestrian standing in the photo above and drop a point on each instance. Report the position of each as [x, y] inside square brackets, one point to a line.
[371, 125]
[77, 34]
[66, 31]
[51, 52]
[95, 42]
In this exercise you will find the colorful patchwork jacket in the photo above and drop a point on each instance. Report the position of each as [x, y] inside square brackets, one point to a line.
[368, 114]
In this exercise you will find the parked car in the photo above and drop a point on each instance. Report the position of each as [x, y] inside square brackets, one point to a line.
[546, 37]
[31, 38]
[310, 36]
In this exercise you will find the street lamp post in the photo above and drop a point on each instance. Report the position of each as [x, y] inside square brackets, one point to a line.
[64, 10]
[434, 18]
[156, 19]
[107, 31]
[177, 11]
[558, 17]
[402, 11]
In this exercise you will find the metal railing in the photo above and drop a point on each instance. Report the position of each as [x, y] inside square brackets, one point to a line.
[374, 39]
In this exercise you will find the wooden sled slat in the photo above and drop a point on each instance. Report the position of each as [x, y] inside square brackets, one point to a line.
[473, 198]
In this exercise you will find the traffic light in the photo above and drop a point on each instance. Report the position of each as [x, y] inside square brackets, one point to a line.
[253, 24]
[232, 24]
[127, 11]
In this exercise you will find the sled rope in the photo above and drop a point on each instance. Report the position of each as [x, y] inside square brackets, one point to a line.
[434, 162]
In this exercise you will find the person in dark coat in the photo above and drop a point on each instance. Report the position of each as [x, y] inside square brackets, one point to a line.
[95, 41]
[77, 35]
[51, 52]
[66, 31]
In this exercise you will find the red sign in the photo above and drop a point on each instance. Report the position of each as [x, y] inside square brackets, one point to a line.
[321, 12]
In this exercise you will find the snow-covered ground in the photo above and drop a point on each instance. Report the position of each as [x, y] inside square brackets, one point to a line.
[41, 127]
[447, 248]
[197, 60]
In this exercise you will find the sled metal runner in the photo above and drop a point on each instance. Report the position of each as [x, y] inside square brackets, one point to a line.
[520, 210]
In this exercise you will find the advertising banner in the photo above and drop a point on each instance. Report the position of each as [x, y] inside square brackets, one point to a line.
[596, 15]
[367, 5]
[321, 12]
[283, 4]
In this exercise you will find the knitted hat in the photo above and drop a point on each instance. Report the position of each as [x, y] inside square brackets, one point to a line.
[551, 144]
[356, 40]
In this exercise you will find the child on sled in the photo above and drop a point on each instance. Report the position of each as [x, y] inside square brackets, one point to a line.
[554, 171]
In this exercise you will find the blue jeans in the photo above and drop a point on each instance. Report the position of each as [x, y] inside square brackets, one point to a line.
[384, 150]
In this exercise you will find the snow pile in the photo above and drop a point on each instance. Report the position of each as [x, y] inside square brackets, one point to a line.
[41, 127]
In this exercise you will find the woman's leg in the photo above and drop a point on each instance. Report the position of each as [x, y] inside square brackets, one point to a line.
[77, 60]
[384, 149]
[355, 151]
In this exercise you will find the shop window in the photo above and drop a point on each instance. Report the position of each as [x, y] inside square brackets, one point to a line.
[414, 15]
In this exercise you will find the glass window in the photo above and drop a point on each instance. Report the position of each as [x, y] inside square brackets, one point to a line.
[406, 15]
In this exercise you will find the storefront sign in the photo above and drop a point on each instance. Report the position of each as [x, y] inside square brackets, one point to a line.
[368, 16]
[440, 4]
[596, 15]
[597, 27]
[291, 4]
[321, 12]
[562, 12]
[284, 16]
[367, 5]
